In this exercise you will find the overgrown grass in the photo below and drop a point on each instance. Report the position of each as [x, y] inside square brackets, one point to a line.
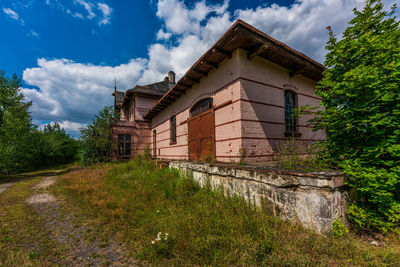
[164, 218]
[23, 239]
[306, 156]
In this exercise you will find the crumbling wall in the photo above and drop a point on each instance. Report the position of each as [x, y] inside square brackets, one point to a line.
[315, 199]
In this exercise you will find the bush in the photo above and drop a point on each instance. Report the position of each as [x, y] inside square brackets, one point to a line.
[361, 95]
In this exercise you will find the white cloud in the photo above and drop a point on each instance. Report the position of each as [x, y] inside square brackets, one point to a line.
[13, 15]
[34, 34]
[84, 9]
[89, 8]
[72, 92]
[106, 11]
[162, 35]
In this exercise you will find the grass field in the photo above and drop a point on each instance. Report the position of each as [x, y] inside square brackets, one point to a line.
[164, 218]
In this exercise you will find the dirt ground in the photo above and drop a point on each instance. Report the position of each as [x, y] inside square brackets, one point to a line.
[82, 248]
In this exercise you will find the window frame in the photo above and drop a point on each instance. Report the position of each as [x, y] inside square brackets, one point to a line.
[172, 131]
[124, 145]
[291, 126]
[198, 109]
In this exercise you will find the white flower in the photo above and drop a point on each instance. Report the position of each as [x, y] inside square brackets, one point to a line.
[152, 241]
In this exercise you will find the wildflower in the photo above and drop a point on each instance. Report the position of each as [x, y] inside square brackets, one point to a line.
[152, 241]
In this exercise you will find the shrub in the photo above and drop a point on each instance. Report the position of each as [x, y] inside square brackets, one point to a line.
[361, 95]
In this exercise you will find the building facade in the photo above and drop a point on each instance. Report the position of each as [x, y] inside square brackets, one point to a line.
[235, 103]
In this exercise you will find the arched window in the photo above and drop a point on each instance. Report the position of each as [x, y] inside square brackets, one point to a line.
[201, 106]
[173, 129]
[290, 106]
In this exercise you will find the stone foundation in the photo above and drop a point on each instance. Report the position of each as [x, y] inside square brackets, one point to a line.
[315, 199]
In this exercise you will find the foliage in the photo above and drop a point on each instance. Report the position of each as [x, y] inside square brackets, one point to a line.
[15, 126]
[96, 138]
[300, 156]
[361, 96]
[22, 145]
[339, 229]
[139, 203]
[146, 152]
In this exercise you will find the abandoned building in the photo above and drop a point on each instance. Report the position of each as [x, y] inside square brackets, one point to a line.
[236, 102]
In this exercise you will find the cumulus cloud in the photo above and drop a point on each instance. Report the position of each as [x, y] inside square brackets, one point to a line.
[72, 92]
[162, 35]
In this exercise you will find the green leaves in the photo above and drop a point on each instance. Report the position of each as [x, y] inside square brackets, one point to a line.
[362, 113]
[96, 138]
[22, 145]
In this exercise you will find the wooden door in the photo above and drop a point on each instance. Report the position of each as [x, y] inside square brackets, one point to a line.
[201, 136]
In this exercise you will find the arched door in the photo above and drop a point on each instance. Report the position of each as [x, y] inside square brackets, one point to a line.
[201, 131]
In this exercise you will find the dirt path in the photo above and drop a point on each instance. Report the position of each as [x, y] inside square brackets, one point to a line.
[83, 249]
[5, 186]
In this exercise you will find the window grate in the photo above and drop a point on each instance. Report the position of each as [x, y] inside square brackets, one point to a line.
[290, 106]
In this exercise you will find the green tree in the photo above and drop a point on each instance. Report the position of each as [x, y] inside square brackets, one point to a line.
[15, 126]
[361, 96]
[96, 138]
[58, 147]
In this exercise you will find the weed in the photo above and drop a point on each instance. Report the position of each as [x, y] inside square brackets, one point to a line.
[141, 202]
[339, 229]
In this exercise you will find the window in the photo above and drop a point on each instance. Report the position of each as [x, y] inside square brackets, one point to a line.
[124, 145]
[201, 106]
[290, 106]
[173, 130]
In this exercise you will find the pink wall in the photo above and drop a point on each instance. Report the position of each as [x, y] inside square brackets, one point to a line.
[253, 120]
[222, 85]
[262, 107]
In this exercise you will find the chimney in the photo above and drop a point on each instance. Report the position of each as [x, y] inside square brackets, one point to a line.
[171, 76]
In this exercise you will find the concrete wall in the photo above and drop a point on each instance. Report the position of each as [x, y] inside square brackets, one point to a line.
[313, 199]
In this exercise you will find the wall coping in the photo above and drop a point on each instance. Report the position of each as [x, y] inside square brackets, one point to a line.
[270, 176]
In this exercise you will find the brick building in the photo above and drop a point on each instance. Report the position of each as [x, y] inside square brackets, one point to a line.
[235, 102]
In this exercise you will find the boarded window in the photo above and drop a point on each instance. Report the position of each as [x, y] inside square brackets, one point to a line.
[124, 145]
[201, 106]
[290, 106]
[173, 130]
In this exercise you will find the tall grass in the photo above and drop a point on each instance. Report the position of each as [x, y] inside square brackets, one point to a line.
[165, 218]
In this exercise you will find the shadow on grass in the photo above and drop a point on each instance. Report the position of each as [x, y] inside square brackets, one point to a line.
[54, 171]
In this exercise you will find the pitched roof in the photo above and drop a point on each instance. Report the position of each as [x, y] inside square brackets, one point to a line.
[157, 89]
[244, 36]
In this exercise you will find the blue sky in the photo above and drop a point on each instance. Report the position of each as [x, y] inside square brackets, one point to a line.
[69, 51]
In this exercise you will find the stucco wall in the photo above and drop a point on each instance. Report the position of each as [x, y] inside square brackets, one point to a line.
[222, 85]
[253, 120]
[262, 107]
